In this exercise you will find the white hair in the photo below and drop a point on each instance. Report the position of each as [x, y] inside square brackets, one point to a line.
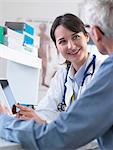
[99, 13]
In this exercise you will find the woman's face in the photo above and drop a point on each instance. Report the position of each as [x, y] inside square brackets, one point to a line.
[73, 46]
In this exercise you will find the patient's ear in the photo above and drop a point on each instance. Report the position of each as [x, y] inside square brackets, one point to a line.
[97, 33]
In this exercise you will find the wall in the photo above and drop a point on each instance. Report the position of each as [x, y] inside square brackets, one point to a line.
[49, 9]
[1, 13]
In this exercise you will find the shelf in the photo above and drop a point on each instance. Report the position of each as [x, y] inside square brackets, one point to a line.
[19, 57]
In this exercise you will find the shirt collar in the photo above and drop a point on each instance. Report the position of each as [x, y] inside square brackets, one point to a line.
[78, 76]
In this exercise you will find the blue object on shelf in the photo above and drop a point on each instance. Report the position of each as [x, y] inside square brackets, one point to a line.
[20, 27]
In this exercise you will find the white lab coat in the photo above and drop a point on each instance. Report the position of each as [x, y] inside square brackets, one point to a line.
[47, 108]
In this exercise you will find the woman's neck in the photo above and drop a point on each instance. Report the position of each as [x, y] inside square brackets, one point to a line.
[76, 66]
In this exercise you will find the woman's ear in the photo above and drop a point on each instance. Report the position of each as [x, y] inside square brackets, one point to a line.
[97, 33]
[87, 37]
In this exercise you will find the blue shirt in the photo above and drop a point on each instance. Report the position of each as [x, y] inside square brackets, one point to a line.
[88, 118]
[77, 78]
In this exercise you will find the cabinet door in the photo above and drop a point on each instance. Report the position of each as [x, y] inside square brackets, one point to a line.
[3, 66]
[24, 82]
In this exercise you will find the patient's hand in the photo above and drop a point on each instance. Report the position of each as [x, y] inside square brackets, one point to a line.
[27, 113]
[4, 109]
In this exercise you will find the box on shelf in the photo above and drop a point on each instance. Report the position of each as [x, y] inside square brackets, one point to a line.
[24, 29]
[2, 33]
[20, 27]
[19, 38]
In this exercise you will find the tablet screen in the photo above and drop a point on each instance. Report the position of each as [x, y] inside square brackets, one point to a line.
[8, 93]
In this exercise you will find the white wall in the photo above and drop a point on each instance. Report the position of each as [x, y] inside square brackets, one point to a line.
[39, 10]
[1, 13]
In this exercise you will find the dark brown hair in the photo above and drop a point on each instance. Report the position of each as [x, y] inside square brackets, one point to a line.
[69, 21]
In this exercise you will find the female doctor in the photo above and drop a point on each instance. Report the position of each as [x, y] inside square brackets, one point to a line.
[70, 38]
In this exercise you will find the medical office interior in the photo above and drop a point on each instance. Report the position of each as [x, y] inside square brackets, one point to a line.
[20, 61]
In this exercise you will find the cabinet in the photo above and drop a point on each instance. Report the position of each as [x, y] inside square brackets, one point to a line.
[22, 70]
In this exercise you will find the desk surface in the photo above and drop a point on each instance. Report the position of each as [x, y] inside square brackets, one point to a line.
[6, 145]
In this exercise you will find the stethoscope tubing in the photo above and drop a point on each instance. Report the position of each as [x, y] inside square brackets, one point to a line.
[62, 105]
[86, 74]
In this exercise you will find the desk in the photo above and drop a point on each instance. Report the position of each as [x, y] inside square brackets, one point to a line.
[6, 145]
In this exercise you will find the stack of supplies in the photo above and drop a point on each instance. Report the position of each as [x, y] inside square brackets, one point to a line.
[22, 33]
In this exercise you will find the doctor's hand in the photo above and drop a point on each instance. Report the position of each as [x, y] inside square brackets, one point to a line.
[27, 113]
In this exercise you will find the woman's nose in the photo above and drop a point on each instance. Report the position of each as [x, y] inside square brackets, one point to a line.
[71, 45]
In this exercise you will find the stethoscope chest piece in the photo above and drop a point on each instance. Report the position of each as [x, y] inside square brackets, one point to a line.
[61, 106]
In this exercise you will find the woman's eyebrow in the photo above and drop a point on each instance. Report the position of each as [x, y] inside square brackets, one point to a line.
[60, 39]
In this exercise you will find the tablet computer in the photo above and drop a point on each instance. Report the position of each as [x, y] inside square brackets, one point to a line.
[7, 96]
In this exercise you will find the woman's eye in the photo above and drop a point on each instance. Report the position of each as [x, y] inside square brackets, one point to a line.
[62, 42]
[76, 37]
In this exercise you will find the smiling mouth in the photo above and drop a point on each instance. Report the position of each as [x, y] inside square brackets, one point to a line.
[74, 52]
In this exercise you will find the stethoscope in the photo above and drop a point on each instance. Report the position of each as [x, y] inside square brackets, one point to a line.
[62, 106]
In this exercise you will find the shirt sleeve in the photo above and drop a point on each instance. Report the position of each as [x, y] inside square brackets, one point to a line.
[9, 128]
[84, 121]
[86, 118]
